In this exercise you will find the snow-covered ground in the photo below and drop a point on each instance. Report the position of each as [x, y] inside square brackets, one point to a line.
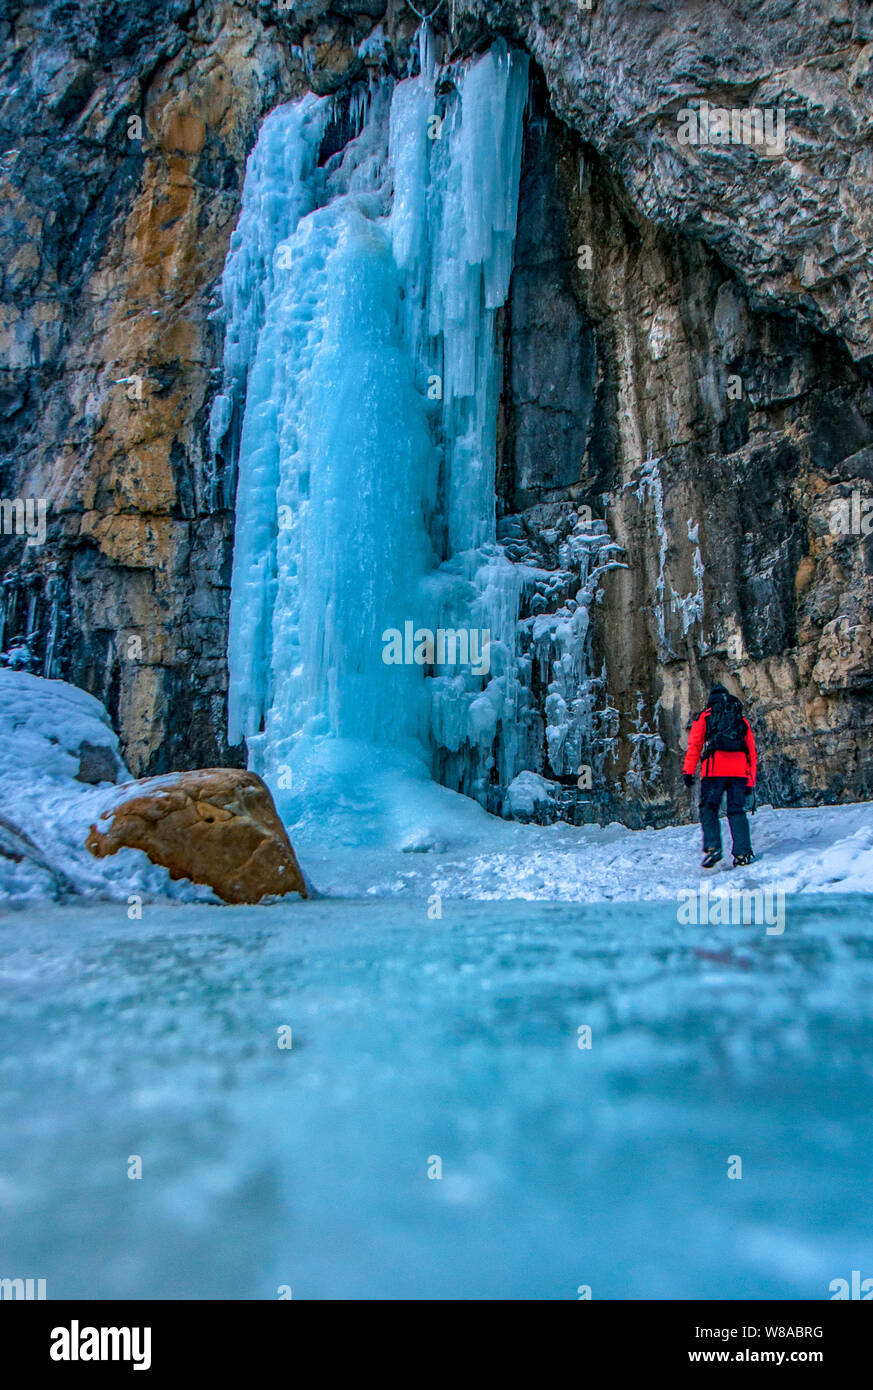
[818, 850]
[440, 844]
[46, 727]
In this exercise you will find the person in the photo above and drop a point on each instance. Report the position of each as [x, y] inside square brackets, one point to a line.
[721, 740]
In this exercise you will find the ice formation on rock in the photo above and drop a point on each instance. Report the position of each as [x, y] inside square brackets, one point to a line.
[359, 414]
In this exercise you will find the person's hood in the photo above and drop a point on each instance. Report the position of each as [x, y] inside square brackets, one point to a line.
[717, 690]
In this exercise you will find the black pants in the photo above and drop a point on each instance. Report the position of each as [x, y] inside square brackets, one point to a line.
[712, 789]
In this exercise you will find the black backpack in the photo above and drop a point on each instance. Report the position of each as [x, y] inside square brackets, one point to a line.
[725, 726]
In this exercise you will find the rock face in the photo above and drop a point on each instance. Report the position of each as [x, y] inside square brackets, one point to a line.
[796, 224]
[702, 380]
[217, 826]
[127, 129]
[729, 447]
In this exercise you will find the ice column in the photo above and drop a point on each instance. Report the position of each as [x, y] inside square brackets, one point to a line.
[359, 411]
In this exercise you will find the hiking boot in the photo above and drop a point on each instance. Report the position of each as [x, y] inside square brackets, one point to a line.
[741, 860]
[711, 858]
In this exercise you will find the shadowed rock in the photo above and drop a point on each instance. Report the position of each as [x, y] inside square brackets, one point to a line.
[216, 826]
[98, 763]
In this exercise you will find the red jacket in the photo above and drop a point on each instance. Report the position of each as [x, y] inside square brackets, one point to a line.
[721, 764]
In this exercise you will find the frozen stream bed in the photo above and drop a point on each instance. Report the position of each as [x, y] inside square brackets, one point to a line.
[415, 1039]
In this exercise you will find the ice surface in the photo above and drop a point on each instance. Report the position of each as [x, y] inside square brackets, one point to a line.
[454, 1037]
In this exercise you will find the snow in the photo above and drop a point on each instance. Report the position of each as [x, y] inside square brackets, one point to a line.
[374, 45]
[525, 793]
[45, 813]
[825, 849]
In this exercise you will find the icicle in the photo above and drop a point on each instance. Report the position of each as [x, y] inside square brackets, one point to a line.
[426, 61]
[358, 108]
[53, 629]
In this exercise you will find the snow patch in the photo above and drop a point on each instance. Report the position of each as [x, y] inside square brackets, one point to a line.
[45, 813]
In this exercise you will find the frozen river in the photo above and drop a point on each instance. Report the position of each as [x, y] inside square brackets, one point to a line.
[419, 1045]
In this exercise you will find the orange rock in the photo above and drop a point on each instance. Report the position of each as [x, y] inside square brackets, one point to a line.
[216, 826]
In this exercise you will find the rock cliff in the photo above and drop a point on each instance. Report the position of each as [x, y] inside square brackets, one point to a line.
[687, 349]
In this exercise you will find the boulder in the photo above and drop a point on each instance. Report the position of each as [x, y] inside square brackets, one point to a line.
[98, 763]
[216, 826]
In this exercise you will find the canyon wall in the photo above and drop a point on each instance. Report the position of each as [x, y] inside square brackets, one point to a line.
[687, 352]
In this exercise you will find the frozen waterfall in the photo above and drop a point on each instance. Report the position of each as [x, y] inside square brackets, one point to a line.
[375, 640]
